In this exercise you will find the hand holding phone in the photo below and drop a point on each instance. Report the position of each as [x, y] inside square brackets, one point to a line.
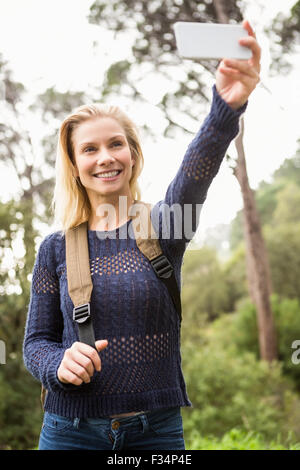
[238, 72]
[236, 79]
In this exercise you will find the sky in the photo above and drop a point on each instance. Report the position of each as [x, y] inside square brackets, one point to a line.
[50, 43]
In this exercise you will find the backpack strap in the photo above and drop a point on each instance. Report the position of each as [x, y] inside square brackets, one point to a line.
[80, 284]
[148, 243]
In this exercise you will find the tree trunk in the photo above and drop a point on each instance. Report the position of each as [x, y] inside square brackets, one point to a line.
[258, 272]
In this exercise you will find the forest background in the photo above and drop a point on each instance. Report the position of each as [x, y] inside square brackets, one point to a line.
[244, 394]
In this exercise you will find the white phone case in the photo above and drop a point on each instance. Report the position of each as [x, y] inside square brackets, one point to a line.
[210, 41]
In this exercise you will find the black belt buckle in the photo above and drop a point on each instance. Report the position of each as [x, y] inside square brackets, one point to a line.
[162, 266]
[82, 313]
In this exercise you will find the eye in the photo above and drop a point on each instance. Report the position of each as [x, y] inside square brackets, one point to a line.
[86, 150]
[117, 143]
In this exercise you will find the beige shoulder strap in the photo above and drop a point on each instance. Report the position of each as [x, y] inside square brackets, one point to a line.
[148, 243]
[145, 235]
[80, 284]
[79, 277]
[78, 266]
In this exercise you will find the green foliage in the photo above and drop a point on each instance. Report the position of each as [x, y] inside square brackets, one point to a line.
[230, 387]
[236, 230]
[20, 408]
[241, 330]
[277, 202]
[289, 171]
[288, 205]
[287, 320]
[236, 439]
[115, 75]
[238, 332]
[267, 199]
[234, 390]
[55, 104]
[234, 272]
[284, 38]
[205, 291]
[209, 288]
[283, 244]
[287, 27]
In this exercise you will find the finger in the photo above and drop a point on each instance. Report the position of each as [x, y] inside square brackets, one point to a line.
[246, 25]
[84, 361]
[78, 370]
[246, 80]
[252, 44]
[241, 65]
[70, 377]
[89, 352]
[101, 344]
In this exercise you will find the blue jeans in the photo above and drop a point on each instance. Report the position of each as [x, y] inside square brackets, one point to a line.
[151, 430]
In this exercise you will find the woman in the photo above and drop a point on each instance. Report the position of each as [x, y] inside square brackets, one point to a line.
[126, 393]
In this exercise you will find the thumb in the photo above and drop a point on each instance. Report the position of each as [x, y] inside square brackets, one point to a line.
[101, 344]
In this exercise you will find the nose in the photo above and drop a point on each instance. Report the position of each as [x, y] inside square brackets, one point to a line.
[104, 157]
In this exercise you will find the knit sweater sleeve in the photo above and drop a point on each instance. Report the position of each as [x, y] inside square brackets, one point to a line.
[42, 346]
[176, 217]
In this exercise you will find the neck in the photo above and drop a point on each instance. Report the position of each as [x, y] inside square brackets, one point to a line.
[110, 214]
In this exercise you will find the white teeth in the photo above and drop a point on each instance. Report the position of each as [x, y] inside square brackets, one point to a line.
[107, 175]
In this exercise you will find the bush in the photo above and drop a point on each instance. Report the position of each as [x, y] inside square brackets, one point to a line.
[239, 331]
[233, 389]
[20, 407]
[287, 319]
[236, 439]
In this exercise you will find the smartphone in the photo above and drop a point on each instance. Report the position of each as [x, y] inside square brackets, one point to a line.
[210, 41]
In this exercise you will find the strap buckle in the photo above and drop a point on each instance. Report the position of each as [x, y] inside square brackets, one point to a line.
[162, 267]
[82, 313]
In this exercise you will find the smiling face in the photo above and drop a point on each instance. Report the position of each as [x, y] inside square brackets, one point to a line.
[103, 159]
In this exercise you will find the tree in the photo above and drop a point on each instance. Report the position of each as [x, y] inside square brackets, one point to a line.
[155, 45]
[285, 33]
[258, 270]
[21, 218]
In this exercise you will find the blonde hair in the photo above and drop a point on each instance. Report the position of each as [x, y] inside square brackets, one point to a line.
[70, 203]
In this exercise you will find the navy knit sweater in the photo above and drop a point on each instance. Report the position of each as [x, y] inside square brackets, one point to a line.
[131, 307]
